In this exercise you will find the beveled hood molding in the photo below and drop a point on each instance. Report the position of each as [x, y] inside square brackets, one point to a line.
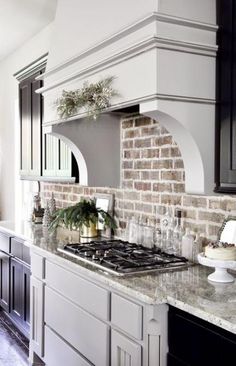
[162, 62]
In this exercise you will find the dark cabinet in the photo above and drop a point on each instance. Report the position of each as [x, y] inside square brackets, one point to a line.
[4, 281]
[20, 295]
[41, 155]
[16, 290]
[4, 272]
[20, 284]
[226, 95]
[194, 342]
[30, 126]
[15, 281]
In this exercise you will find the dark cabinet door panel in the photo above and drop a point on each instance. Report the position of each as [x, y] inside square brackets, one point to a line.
[26, 297]
[25, 121]
[36, 127]
[195, 342]
[20, 295]
[16, 308]
[41, 155]
[226, 94]
[30, 126]
[15, 281]
[4, 281]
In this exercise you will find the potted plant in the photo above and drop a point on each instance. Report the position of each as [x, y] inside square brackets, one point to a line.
[84, 216]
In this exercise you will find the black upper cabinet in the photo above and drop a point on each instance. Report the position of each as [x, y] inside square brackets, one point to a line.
[226, 95]
[42, 156]
[30, 126]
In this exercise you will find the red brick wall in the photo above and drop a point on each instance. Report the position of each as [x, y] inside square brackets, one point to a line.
[152, 176]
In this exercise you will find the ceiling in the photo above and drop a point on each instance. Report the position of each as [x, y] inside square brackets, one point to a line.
[22, 19]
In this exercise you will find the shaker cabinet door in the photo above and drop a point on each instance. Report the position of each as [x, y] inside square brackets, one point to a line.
[16, 309]
[4, 281]
[20, 294]
[85, 333]
[226, 95]
[124, 352]
[26, 298]
[41, 155]
[30, 126]
[64, 355]
[215, 346]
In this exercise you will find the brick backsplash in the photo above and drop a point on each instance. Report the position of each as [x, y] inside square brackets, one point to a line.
[152, 177]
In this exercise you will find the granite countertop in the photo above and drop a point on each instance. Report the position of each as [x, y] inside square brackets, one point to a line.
[187, 289]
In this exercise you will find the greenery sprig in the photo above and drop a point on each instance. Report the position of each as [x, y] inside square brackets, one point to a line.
[82, 213]
[94, 97]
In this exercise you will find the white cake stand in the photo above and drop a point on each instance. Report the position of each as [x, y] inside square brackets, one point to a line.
[220, 274]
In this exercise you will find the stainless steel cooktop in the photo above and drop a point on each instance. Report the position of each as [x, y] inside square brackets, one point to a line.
[123, 258]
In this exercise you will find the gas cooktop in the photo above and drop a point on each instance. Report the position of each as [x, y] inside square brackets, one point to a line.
[123, 258]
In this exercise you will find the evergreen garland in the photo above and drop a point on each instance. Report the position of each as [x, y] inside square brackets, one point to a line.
[94, 97]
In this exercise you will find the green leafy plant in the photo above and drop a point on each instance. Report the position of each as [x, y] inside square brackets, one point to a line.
[94, 97]
[82, 213]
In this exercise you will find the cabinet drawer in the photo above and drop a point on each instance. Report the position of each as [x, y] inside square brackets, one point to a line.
[59, 353]
[89, 296]
[127, 315]
[19, 250]
[37, 265]
[4, 243]
[82, 331]
[26, 254]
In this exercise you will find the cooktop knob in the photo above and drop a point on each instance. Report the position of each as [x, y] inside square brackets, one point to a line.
[107, 253]
[87, 254]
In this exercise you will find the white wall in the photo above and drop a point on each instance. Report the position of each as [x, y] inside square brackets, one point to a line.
[10, 185]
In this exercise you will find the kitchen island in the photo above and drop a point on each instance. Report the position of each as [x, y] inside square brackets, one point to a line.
[134, 309]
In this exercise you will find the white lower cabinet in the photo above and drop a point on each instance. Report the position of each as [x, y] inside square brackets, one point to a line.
[124, 352]
[76, 321]
[59, 353]
[84, 332]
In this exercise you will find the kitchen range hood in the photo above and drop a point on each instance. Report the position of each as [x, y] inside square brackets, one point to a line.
[162, 54]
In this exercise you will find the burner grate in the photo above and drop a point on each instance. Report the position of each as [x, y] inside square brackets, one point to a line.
[121, 257]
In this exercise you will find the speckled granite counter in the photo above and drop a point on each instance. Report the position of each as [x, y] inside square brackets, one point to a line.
[187, 289]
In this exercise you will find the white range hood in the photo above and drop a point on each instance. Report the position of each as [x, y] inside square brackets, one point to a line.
[162, 54]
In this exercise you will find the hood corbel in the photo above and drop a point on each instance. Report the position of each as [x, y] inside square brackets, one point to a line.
[96, 147]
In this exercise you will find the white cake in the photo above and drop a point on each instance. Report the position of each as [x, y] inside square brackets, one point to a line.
[221, 251]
